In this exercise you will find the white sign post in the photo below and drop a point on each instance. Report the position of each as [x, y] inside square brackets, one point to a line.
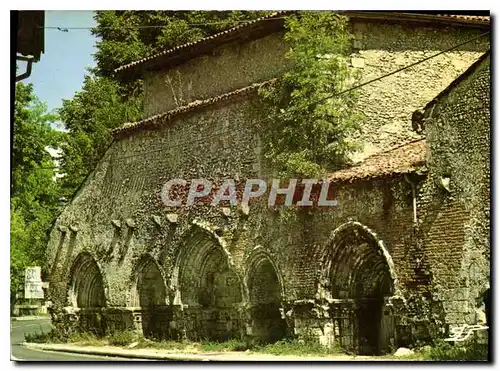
[33, 283]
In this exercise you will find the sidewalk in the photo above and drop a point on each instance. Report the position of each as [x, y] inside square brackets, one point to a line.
[30, 318]
[166, 355]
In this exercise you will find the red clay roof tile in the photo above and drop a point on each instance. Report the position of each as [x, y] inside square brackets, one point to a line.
[402, 159]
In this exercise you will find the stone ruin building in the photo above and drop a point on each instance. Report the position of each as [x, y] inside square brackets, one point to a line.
[403, 256]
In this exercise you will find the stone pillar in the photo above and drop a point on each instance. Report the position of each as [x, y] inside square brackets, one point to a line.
[312, 322]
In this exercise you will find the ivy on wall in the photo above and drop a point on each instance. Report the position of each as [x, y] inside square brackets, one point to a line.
[308, 121]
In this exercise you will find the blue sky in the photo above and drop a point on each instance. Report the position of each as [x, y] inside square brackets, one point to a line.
[61, 69]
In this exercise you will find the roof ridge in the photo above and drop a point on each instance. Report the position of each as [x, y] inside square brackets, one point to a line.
[401, 16]
[459, 79]
[199, 103]
[393, 148]
[275, 15]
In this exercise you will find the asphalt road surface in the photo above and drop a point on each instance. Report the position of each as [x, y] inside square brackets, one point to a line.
[21, 353]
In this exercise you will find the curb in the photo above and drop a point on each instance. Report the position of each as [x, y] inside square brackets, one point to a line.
[99, 352]
[29, 318]
[220, 357]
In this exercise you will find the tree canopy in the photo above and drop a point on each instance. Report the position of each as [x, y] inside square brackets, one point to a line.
[104, 102]
[308, 135]
[35, 195]
[311, 115]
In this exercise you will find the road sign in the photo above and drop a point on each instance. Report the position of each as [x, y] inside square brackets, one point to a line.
[33, 285]
[33, 290]
[33, 274]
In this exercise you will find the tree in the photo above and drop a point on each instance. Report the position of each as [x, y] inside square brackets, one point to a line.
[104, 102]
[34, 191]
[310, 117]
[89, 116]
[126, 36]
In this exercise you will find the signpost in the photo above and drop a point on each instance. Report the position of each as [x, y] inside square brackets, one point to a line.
[33, 285]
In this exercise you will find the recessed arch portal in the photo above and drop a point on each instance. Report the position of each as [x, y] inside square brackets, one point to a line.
[149, 288]
[361, 277]
[208, 287]
[150, 294]
[265, 292]
[86, 288]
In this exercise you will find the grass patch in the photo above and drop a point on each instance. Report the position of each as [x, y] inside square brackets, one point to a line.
[164, 344]
[444, 351]
[298, 348]
[283, 347]
[86, 339]
[232, 345]
[41, 336]
[123, 338]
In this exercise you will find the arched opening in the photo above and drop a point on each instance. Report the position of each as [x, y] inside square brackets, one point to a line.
[151, 296]
[210, 290]
[264, 290]
[361, 281]
[86, 286]
[86, 293]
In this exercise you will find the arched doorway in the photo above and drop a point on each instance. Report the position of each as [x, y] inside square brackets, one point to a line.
[86, 293]
[151, 296]
[361, 279]
[210, 291]
[265, 296]
[86, 288]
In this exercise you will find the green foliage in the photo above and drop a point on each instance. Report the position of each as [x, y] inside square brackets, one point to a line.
[89, 116]
[50, 336]
[34, 192]
[85, 338]
[232, 345]
[104, 102]
[122, 338]
[309, 345]
[309, 123]
[293, 347]
[444, 351]
[163, 344]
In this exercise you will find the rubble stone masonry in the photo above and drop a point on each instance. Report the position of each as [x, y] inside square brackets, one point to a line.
[118, 258]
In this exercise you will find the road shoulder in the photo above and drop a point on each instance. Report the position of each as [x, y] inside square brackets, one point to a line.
[155, 354]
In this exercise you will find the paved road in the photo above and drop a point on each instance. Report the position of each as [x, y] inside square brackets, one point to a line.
[21, 353]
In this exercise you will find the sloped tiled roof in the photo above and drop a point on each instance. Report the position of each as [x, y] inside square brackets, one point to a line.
[165, 117]
[449, 19]
[258, 25]
[399, 160]
[474, 18]
[265, 25]
[459, 79]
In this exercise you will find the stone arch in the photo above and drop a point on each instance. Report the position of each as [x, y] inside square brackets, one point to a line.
[149, 294]
[86, 285]
[360, 278]
[207, 286]
[265, 294]
[148, 287]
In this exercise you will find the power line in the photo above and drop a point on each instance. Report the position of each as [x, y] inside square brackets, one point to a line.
[218, 134]
[406, 67]
[65, 29]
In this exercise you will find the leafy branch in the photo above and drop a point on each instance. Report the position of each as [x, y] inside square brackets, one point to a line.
[309, 122]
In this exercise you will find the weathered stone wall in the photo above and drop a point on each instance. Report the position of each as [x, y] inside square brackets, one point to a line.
[127, 184]
[229, 67]
[216, 270]
[379, 48]
[455, 201]
[388, 104]
[224, 272]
